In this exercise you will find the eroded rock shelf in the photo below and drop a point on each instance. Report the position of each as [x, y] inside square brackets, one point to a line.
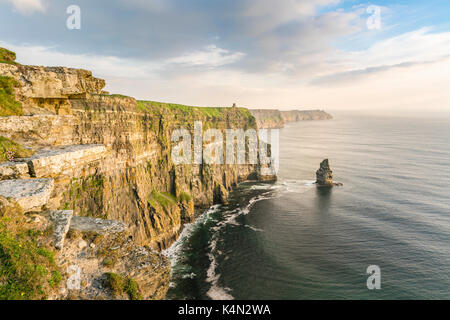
[30, 194]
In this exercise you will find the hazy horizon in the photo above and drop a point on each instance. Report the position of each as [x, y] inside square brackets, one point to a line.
[312, 54]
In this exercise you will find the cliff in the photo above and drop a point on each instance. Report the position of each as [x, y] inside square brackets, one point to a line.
[106, 158]
[267, 118]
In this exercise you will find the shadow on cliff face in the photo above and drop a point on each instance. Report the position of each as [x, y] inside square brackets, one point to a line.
[323, 198]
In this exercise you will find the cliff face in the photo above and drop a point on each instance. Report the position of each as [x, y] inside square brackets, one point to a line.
[109, 157]
[268, 119]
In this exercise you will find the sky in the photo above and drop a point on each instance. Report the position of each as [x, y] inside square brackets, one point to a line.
[387, 56]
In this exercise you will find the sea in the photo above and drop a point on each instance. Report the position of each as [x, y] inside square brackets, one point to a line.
[290, 240]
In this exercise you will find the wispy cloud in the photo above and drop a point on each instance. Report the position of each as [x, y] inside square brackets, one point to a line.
[210, 56]
[27, 6]
[419, 47]
[344, 78]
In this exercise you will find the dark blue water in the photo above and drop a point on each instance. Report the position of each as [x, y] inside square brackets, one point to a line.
[290, 240]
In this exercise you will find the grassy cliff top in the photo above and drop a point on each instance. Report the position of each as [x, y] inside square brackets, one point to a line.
[7, 56]
[9, 106]
[210, 112]
[10, 150]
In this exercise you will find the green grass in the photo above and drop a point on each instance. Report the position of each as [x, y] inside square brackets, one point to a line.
[216, 112]
[184, 197]
[10, 148]
[164, 199]
[109, 262]
[55, 279]
[27, 269]
[9, 106]
[114, 95]
[7, 56]
[120, 285]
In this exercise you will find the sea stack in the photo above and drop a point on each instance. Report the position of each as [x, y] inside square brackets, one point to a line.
[324, 175]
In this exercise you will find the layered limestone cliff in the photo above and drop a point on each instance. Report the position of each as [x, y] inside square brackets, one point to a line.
[47, 90]
[108, 157]
[272, 119]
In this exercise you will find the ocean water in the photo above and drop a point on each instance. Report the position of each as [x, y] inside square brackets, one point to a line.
[290, 240]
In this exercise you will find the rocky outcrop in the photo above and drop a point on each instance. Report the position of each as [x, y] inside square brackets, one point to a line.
[273, 119]
[13, 170]
[47, 90]
[64, 160]
[61, 221]
[325, 175]
[96, 225]
[30, 194]
[91, 252]
[39, 130]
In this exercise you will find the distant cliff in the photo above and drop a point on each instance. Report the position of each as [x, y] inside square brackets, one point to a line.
[271, 118]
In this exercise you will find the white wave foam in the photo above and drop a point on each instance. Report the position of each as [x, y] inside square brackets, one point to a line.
[253, 228]
[215, 292]
[189, 276]
[174, 251]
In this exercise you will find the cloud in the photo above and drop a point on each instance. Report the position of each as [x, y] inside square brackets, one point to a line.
[158, 6]
[265, 35]
[418, 47]
[414, 46]
[210, 56]
[112, 66]
[344, 78]
[27, 6]
[262, 16]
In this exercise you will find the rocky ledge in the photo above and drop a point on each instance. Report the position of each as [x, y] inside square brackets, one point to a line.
[30, 194]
